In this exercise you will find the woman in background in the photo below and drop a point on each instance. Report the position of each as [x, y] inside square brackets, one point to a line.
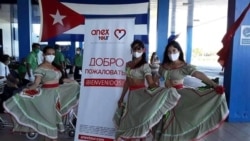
[154, 65]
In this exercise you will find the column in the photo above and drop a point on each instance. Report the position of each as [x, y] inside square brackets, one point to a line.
[162, 26]
[236, 78]
[189, 30]
[24, 27]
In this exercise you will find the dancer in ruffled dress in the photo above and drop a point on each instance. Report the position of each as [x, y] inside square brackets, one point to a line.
[198, 112]
[41, 109]
[145, 105]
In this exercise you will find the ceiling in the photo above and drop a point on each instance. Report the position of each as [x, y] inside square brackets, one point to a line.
[205, 11]
[15, 1]
[179, 2]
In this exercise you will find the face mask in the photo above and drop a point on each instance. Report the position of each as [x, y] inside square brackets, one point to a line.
[77, 52]
[59, 50]
[174, 57]
[49, 58]
[137, 54]
[36, 50]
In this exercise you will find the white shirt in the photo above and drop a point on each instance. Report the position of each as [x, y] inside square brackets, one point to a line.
[4, 70]
[40, 57]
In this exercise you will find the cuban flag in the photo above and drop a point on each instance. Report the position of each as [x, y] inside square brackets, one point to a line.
[64, 20]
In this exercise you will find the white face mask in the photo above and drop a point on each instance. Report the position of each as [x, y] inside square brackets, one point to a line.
[137, 54]
[77, 52]
[49, 58]
[174, 57]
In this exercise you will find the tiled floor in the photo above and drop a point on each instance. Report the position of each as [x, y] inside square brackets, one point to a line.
[227, 132]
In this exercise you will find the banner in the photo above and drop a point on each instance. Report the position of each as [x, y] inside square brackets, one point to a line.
[106, 51]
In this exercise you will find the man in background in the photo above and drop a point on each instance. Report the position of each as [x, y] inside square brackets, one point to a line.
[59, 60]
[32, 61]
[77, 68]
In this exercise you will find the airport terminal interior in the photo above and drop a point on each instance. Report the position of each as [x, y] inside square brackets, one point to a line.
[206, 15]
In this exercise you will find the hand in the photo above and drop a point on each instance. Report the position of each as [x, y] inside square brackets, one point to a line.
[120, 103]
[168, 84]
[67, 80]
[17, 81]
[15, 86]
[219, 89]
[153, 85]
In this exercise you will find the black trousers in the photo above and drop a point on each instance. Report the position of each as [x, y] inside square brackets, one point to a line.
[7, 93]
[77, 76]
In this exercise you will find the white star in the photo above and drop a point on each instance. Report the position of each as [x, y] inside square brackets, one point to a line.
[57, 17]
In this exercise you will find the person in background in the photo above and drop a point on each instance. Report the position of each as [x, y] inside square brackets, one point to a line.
[198, 112]
[77, 68]
[145, 105]
[22, 70]
[41, 106]
[12, 82]
[32, 62]
[59, 60]
[40, 56]
[154, 65]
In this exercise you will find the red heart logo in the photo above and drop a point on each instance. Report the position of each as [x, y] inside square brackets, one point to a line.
[120, 33]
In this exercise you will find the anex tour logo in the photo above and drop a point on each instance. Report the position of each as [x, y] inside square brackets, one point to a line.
[103, 34]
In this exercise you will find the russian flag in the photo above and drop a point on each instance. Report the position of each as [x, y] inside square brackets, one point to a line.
[64, 20]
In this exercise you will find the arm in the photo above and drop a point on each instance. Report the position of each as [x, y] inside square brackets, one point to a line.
[156, 79]
[2, 72]
[151, 82]
[62, 61]
[63, 66]
[124, 91]
[74, 65]
[168, 84]
[204, 78]
[28, 69]
[67, 80]
[28, 62]
[12, 81]
[36, 83]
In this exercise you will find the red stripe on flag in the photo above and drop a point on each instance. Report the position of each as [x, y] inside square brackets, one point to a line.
[57, 18]
[93, 138]
[104, 82]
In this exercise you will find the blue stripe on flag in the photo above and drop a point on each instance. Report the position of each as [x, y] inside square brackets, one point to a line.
[80, 37]
[144, 38]
[105, 1]
[139, 18]
[69, 37]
